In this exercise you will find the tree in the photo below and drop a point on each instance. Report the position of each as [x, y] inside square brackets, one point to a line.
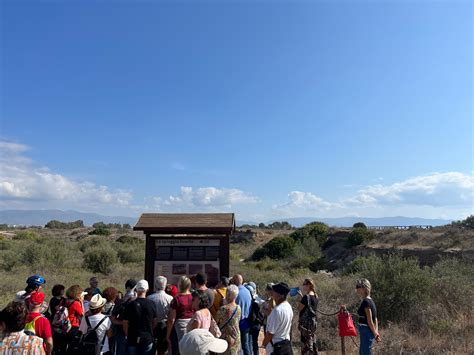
[277, 248]
[359, 225]
[359, 236]
[316, 230]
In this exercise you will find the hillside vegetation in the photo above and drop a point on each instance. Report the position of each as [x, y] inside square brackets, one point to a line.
[423, 309]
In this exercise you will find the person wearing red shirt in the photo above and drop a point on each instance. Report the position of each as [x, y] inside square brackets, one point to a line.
[42, 327]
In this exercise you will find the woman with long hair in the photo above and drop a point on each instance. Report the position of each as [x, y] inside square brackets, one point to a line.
[307, 324]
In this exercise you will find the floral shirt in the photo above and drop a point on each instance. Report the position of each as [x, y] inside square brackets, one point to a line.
[230, 329]
[19, 343]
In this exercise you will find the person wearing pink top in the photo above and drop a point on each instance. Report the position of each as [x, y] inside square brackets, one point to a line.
[202, 316]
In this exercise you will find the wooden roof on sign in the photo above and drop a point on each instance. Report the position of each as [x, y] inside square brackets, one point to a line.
[186, 223]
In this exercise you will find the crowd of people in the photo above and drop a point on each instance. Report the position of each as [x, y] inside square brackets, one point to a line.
[184, 319]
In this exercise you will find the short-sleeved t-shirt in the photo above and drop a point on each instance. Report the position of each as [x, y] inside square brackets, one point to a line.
[75, 312]
[183, 305]
[279, 324]
[140, 314]
[219, 296]
[210, 294]
[313, 301]
[203, 316]
[367, 303]
[42, 325]
[101, 331]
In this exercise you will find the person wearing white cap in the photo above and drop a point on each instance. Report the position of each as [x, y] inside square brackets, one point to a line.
[139, 320]
[201, 342]
[94, 319]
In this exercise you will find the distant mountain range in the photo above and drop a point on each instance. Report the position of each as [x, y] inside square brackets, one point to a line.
[41, 217]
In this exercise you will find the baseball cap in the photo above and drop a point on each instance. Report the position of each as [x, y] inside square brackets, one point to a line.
[201, 341]
[37, 298]
[142, 285]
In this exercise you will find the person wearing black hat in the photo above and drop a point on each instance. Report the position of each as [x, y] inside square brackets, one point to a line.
[277, 335]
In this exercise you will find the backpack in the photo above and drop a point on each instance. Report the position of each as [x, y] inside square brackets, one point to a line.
[307, 322]
[89, 343]
[61, 323]
[30, 326]
[255, 317]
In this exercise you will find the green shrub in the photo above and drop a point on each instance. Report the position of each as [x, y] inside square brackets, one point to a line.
[26, 235]
[100, 231]
[400, 288]
[316, 230]
[131, 255]
[305, 253]
[277, 248]
[128, 239]
[9, 260]
[100, 260]
[359, 225]
[90, 242]
[359, 236]
[54, 224]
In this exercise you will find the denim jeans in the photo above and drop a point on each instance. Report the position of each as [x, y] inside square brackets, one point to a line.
[255, 332]
[246, 341]
[366, 340]
[140, 349]
[120, 345]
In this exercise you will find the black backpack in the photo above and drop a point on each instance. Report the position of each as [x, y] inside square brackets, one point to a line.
[89, 344]
[255, 317]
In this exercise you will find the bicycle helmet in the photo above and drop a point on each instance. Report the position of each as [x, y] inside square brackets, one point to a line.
[35, 280]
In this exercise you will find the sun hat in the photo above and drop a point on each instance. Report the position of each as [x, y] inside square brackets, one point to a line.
[97, 301]
[281, 288]
[37, 298]
[201, 341]
[142, 285]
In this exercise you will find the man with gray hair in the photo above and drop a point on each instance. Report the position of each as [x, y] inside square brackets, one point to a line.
[161, 301]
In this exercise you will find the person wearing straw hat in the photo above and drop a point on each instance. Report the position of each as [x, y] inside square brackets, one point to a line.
[94, 318]
[201, 342]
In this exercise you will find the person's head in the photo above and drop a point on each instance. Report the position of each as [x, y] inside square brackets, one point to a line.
[13, 317]
[363, 287]
[58, 291]
[308, 286]
[184, 284]
[224, 282]
[110, 294]
[201, 279]
[269, 289]
[200, 301]
[130, 284]
[89, 294]
[280, 292]
[160, 283]
[237, 280]
[75, 293]
[251, 289]
[201, 341]
[36, 301]
[232, 293]
[97, 304]
[141, 288]
[34, 283]
[93, 282]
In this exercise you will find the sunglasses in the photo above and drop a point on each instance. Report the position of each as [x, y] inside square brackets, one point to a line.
[359, 286]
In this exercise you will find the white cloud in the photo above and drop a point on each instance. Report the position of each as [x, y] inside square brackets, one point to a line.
[22, 180]
[304, 202]
[210, 197]
[436, 189]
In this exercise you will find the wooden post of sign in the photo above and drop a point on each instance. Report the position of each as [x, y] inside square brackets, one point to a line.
[343, 345]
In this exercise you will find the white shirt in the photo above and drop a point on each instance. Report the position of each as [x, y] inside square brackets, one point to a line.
[279, 324]
[101, 331]
[162, 302]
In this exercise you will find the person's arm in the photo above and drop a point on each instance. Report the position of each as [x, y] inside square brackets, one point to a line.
[302, 303]
[373, 327]
[170, 324]
[267, 339]
[49, 345]
[125, 327]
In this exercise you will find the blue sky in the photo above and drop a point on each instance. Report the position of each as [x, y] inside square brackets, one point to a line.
[268, 109]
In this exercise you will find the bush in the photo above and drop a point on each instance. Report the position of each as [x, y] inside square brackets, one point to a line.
[359, 225]
[317, 230]
[9, 260]
[26, 235]
[466, 223]
[128, 239]
[277, 248]
[100, 260]
[90, 243]
[100, 231]
[359, 236]
[131, 255]
[400, 288]
[61, 225]
[305, 253]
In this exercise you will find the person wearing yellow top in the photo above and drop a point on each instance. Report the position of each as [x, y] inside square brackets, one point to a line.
[220, 293]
